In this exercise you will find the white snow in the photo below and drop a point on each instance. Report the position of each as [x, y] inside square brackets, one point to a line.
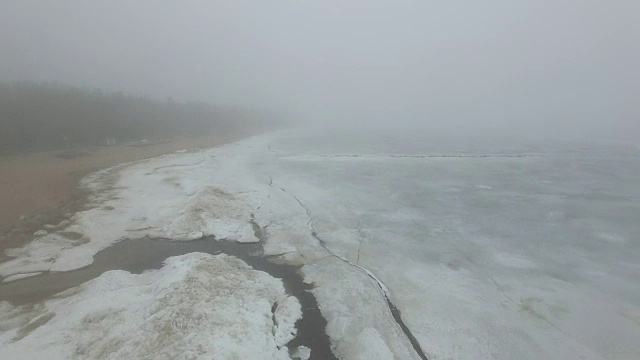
[196, 306]
[301, 353]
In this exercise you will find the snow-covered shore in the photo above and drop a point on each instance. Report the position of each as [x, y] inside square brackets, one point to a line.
[215, 192]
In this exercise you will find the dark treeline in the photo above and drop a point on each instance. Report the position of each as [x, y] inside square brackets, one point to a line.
[51, 116]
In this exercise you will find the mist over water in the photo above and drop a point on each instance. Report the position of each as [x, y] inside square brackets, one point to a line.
[565, 67]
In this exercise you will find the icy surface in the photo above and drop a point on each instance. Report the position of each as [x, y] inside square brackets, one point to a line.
[196, 306]
[490, 249]
[498, 256]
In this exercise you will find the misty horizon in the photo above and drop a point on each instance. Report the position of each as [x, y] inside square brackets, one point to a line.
[565, 68]
[320, 180]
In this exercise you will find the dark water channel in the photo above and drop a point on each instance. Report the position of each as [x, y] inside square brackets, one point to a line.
[143, 254]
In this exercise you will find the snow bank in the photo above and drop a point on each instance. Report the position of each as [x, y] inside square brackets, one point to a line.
[196, 306]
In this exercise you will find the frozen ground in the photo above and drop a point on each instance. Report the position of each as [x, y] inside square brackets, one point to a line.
[490, 249]
[195, 306]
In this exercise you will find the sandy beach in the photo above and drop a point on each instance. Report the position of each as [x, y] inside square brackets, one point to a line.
[41, 188]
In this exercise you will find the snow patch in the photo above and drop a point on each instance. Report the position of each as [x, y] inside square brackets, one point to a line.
[196, 306]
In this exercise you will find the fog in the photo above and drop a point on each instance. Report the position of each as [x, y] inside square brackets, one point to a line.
[562, 67]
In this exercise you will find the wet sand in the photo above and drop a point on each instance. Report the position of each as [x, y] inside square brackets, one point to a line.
[41, 188]
[143, 254]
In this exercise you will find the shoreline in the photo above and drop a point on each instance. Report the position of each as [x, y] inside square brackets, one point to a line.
[147, 254]
[40, 190]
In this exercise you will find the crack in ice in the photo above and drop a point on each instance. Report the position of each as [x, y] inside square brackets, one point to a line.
[395, 313]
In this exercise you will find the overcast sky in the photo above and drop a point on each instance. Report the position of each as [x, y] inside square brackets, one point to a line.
[532, 65]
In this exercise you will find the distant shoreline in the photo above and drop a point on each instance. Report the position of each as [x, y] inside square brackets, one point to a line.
[41, 189]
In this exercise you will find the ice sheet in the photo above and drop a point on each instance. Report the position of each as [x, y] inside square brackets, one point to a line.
[486, 257]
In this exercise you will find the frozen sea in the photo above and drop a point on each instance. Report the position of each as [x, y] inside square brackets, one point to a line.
[490, 248]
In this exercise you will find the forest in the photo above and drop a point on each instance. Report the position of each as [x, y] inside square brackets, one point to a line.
[41, 116]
